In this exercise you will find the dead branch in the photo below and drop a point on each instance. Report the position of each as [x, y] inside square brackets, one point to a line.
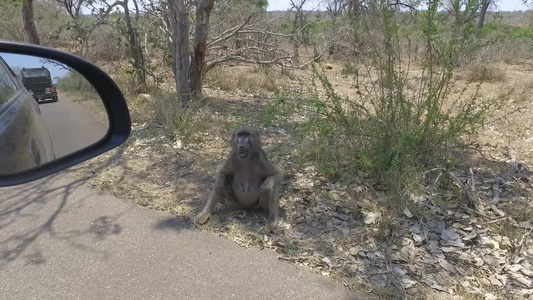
[492, 221]
[497, 211]
[229, 32]
[497, 182]
[516, 171]
[469, 198]
[213, 63]
[513, 165]
[292, 259]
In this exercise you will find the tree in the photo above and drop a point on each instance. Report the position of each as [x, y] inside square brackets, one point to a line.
[335, 9]
[260, 4]
[180, 48]
[129, 29]
[203, 12]
[299, 27]
[133, 41]
[28, 22]
[249, 28]
[10, 19]
[482, 12]
[189, 73]
[81, 27]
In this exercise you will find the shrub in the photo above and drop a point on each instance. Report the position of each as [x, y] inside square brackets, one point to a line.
[242, 78]
[180, 123]
[485, 73]
[349, 69]
[391, 129]
[74, 82]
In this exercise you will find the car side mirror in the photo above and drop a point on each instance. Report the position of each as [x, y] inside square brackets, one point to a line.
[44, 129]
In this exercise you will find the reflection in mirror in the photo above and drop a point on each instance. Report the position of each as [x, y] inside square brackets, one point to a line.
[47, 111]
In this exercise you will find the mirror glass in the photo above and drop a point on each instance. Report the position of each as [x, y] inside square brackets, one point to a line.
[47, 111]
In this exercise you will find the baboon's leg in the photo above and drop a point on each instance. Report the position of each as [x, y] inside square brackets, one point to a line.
[269, 199]
[217, 195]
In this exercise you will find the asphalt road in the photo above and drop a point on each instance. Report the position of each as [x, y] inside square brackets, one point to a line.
[62, 239]
[72, 127]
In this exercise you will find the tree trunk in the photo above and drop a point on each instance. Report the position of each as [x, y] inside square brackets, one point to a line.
[295, 52]
[203, 11]
[29, 24]
[135, 46]
[296, 41]
[180, 49]
[484, 7]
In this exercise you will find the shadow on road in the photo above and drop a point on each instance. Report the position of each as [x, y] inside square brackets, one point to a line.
[29, 211]
[173, 224]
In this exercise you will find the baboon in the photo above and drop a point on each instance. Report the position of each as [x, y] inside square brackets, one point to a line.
[247, 178]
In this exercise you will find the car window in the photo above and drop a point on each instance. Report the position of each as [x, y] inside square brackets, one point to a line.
[8, 88]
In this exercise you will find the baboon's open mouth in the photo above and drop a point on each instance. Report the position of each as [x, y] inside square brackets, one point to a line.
[243, 153]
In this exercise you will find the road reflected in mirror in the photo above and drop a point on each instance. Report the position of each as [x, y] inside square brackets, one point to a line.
[47, 111]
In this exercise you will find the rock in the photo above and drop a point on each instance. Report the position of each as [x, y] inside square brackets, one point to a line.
[447, 266]
[448, 234]
[327, 261]
[458, 225]
[489, 296]
[441, 226]
[521, 279]
[419, 240]
[144, 98]
[415, 228]
[494, 281]
[407, 213]
[371, 218]
[479, 262]
[456, 243]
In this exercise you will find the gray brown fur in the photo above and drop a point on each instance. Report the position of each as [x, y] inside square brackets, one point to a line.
[250, 181]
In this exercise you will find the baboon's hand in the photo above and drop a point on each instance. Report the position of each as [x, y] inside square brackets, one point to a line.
[203, 217]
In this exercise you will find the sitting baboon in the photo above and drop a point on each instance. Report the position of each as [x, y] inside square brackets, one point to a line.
[247, 178]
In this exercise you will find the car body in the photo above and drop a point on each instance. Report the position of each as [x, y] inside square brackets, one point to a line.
[39, 82]
[25, 141]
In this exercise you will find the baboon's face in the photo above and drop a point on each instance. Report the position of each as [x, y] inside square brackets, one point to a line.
[245, 142]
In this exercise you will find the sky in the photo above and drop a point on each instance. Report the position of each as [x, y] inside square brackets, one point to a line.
[504, 5]
[19, 61]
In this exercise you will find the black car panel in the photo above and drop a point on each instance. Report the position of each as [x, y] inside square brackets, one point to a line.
[24, 137]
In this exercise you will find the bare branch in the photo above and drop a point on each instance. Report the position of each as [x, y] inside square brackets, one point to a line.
[229, 33]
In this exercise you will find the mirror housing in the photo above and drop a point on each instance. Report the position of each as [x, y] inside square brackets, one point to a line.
[112, 98]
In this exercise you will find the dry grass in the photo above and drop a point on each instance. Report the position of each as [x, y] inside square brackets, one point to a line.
[244, 78]
[484, 73]
[184, 124]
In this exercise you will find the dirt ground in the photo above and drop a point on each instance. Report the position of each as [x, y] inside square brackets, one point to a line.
[431, 251]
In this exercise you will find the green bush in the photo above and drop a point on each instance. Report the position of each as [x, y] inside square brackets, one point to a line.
[504, 32]
[349, 69]
[74, 82]
[389, 129]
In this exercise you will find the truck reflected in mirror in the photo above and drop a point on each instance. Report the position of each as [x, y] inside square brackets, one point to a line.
[47, 111]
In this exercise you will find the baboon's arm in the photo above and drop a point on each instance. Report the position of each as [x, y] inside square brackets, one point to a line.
[217, 194]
